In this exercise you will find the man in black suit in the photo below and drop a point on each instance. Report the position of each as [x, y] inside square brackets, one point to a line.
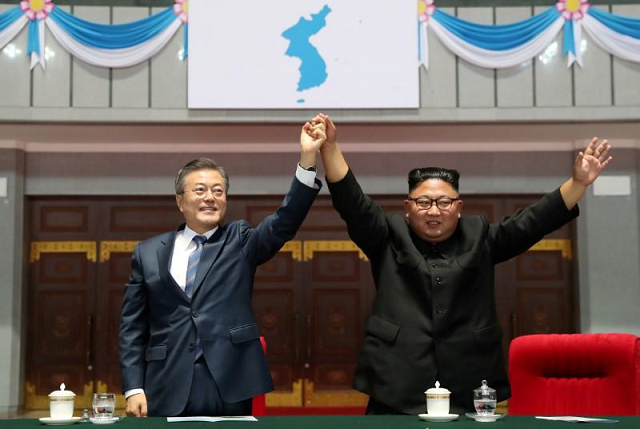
[189, 344]
[434, 317]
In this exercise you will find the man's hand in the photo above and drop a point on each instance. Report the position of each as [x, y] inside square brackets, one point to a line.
[332, 132]
[137, 405]
[588, 166]
[312, 136]
[590, 163]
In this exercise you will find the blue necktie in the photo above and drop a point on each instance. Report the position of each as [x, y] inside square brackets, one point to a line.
[192, 267]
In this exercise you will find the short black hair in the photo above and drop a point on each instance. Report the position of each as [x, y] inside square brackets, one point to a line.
[419, 175]
[200, 164]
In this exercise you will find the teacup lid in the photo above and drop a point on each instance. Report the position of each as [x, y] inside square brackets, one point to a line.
[62, 393]
[437, 390]
[484, 389]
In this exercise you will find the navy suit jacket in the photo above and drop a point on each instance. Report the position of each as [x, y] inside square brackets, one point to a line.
[160, 324]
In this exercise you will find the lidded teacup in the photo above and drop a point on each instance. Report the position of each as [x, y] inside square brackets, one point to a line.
[61, 403]
[438, 400]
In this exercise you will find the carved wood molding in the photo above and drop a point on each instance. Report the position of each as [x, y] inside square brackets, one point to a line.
[286, 399]
[313, 246]
[39, 247]
[561, 244]
[335, 398]
[295, 247]
[109, 247]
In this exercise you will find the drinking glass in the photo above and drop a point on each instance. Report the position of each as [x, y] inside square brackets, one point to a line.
[104, 404]
[484, 400]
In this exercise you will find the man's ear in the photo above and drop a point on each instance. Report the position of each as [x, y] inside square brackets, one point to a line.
[179, 202]
[407, 208]
[460, 204]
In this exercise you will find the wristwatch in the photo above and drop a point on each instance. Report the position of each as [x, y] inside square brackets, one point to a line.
[310, 168]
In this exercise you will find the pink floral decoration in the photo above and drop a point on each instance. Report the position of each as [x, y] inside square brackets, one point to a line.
[181, 8]
[36, 9]
[572, 9]
[425, 10]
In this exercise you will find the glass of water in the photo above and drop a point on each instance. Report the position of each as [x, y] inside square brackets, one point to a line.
[104, 404]
[484, 400]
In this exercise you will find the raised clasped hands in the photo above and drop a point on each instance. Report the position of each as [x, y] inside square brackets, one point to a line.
[312, 136]
[330, 128]
[590, 162]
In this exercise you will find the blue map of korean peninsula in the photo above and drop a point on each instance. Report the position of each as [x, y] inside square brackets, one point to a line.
[313, 69]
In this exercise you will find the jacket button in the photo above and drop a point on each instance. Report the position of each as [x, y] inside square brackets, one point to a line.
[194, 314]
[439, 280]
[439, 310]
[434, 265]
[191, 347]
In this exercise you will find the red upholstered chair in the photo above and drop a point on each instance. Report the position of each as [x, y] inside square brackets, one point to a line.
[575, 374]
[259, 404]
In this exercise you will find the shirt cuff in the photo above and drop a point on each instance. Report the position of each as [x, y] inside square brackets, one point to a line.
[306, 177]
[132, 392]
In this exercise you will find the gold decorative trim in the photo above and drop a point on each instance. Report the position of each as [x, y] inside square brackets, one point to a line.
[334, 398]
[109, 247]
[312, 246]
[295, 247]
[38, 247]
[561, 244]
[41, 402]
[286, 399]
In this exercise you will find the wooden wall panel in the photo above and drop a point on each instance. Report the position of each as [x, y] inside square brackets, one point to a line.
[542, 311]
[547, 267]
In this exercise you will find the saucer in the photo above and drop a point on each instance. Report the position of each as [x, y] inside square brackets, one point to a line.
[485, 419]
[52, 421]
[104, 420]
[438, 418]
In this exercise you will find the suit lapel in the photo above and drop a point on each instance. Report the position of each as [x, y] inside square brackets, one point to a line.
[210, 253]
[164, 264]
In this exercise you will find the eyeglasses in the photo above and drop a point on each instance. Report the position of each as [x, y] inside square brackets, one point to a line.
[201, 191]
[425, 203]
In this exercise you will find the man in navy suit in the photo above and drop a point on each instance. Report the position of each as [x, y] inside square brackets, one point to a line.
[189, 344]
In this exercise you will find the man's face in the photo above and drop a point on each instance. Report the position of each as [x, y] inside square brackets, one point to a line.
[203, 212]
[433, 224]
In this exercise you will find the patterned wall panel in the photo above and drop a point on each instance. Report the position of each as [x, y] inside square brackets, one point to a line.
[336, 267]
[144, 218]
[541, 311]
[50, 377]
[61, 324]
[69, 269]
[337, 330]
[544, 266]
[63, 219]
[273, 309]
[333, 376]
[278, 269]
